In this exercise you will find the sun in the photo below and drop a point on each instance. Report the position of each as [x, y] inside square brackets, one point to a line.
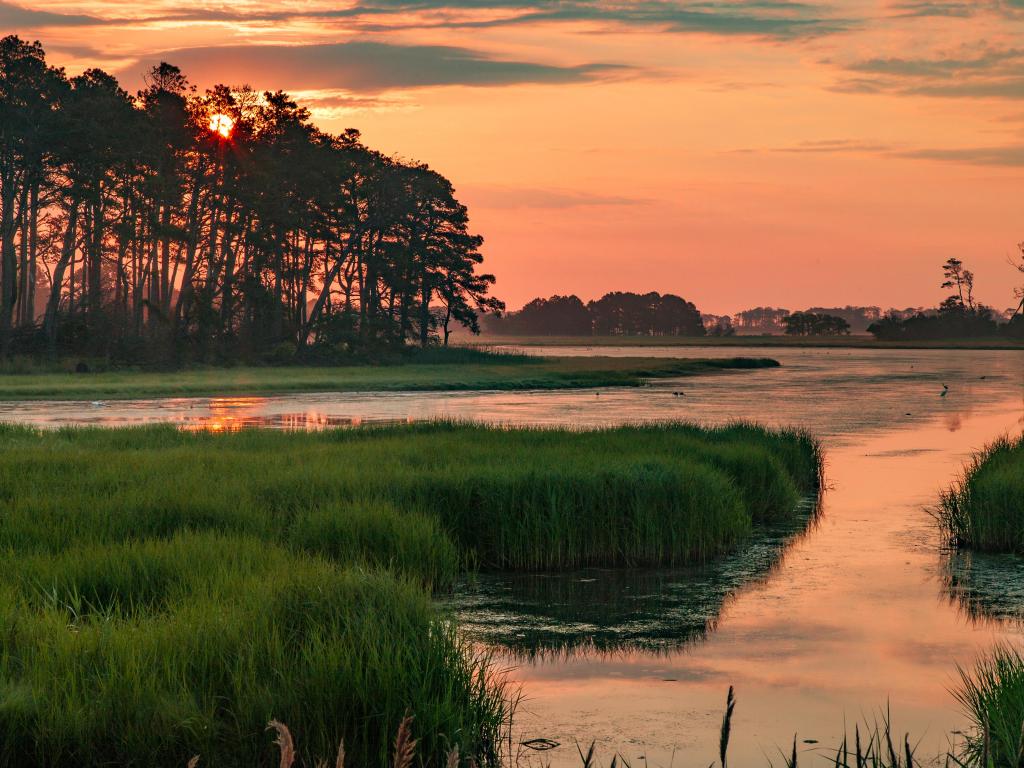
[222, 124]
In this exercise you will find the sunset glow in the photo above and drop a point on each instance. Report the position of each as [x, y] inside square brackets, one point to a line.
[826, 153]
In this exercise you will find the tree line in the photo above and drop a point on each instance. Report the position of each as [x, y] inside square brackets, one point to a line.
[174, 223]
[816, 324]
[958, 315]
[614, 314]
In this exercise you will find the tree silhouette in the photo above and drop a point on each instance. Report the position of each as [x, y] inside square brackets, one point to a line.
[151, 235]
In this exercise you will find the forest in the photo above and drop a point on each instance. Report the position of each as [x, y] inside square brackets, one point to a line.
[173, 226]
[619, 313]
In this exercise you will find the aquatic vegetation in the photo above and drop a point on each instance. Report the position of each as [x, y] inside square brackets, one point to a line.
[984, 510]
[992, 695]
[167, 593]
[521, 499]
[427, 370]
[144, 652]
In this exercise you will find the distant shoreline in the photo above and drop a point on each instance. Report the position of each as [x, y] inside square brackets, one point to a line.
[513, 374]
[833, 342]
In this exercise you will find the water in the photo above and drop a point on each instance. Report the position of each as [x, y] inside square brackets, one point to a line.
[861, 610]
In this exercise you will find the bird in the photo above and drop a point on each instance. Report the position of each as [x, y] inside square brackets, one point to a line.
[98, 404]
[945, 391]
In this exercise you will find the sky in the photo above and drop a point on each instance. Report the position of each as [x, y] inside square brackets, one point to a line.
[736, 152]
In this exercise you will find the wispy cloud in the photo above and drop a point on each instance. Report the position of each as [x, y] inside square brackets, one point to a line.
[769, 19]
[503, 198]
[364, 67]
[14, 18]
[988, 73]
[752, 18]
[1011, 156]
[923, 8]
[834, 146]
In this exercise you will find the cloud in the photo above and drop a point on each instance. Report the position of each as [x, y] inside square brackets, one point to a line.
[362, 66]
[1011, 156]
[922, 9]
[15, 17]
[1008, 156]
[771, 19]
[855, 146]
[988, 74]
[753, 18]
[504, 198]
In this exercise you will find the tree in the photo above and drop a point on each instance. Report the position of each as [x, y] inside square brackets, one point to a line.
[157, 237]
[1018, 291]
[962, 281]
[814, 324]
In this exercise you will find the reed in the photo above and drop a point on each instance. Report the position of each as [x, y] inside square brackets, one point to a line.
[992, 695]
[147, 652]
[428, 370]
[984, 509]
[168, 593]
[418, 498]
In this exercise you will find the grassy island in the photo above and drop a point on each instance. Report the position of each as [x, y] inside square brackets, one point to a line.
[460, 371]
[984, 509]
[167, 593]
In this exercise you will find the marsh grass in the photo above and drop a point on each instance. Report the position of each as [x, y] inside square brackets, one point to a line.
[984, 509]
[168, 593]
[992, 695]
[458, 369]
[424, 499]
[142, 653]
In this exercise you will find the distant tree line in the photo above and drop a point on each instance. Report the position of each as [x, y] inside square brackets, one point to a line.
[958, 316]
[614, 314]
[816, 324]
[173, 223]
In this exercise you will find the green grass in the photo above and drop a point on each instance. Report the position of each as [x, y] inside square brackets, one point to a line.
[524, 499]
[984, 509]
[144, 653]
[465, 370]
[166, 593]
[992, 696]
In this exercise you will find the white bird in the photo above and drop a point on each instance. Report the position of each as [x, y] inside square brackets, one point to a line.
[98, 404]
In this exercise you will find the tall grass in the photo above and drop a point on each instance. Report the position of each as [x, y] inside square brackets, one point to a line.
[984, 509]
[456, 369]
[143, 653]
[166, 593]
[526, 499]
[992, 695]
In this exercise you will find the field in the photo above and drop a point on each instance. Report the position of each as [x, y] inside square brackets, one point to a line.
[168, 593]
[463, 370]
[984, 510]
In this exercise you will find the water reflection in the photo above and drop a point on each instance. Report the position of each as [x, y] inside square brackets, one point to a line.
[848, 620]
[984, 587]
[230, 414]
[836, 394]
[603, 612]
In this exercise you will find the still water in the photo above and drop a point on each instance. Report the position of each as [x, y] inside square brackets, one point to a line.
[855, 608]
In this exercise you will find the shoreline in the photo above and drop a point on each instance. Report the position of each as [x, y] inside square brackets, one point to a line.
[823, 342]
[543, 373]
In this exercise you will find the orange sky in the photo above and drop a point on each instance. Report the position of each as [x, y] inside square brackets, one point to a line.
[738, 152]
